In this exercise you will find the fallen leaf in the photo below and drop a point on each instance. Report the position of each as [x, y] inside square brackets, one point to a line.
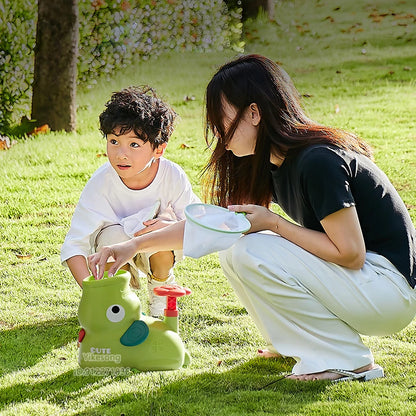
[407, 68]
[303, 28]
[252, 37]
[185, 146]
[44, 128]
[405, 16]
[336, 108]
[23, 256]
[189, 98]
[377, 19]
[351, 28]
[5, 143]
[101, 154]
[219, 363]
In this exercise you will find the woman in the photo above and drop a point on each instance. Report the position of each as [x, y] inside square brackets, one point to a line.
[344, 267]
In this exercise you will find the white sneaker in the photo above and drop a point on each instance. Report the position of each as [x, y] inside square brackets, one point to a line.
[158, 303]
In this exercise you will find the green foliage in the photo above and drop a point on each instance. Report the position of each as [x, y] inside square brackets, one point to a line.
[113, 35]
[17, 39]
[117, 33]
[41, 180]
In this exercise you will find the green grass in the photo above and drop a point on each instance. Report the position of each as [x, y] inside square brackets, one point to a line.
[41, 179]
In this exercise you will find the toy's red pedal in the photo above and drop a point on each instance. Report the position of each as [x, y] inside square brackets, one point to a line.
[172, 292]
[81, 336]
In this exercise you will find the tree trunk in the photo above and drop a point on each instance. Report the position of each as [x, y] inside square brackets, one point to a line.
[251, 8]
[55, 72]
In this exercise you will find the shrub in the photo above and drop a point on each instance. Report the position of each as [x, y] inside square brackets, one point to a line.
[17, 40]
[113, 34]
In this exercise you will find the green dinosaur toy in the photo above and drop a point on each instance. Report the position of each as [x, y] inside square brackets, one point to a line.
[115, 334]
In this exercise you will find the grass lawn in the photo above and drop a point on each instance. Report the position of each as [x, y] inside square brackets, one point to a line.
[355, 64]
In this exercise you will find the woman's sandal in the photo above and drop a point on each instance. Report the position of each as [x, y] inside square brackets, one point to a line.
[375, 372]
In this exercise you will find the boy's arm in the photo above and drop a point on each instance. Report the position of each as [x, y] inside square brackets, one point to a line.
[79, 268]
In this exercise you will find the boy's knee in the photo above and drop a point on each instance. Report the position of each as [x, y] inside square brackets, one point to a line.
[109, 235]
[161, 263]
[162, 258]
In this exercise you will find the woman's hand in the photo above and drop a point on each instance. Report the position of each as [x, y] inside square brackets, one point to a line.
[121, 254]
[261, 218]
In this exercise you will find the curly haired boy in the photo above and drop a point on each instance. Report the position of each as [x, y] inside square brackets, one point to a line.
[135, 189]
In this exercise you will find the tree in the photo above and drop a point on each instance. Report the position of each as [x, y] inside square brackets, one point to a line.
[251, 8]
[55, 71]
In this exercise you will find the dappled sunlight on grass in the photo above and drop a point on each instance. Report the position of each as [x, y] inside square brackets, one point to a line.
[355, 65]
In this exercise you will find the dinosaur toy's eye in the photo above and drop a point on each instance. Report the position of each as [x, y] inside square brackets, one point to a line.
[115, 313]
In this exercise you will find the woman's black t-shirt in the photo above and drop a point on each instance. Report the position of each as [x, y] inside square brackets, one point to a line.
[323, 179]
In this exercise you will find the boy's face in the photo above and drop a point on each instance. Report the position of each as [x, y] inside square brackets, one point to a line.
[131, 157]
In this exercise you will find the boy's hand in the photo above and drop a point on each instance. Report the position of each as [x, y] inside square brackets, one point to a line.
[152, 225]
[121, 253]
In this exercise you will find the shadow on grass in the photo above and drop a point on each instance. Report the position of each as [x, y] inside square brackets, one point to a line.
[256, 387]
[24, 346]
[243, 390]
[56, 390]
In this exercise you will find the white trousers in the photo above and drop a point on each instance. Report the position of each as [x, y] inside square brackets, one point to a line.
[313, 310]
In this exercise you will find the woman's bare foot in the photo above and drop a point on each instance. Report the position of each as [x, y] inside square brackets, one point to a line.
[268, 354]
[326, 375]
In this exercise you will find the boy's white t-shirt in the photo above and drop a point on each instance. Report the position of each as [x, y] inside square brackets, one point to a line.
[106, 200]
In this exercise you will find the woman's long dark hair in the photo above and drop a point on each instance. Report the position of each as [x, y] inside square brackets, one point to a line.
[284, 129]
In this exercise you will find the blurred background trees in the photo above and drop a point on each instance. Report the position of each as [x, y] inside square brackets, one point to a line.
[112, 35]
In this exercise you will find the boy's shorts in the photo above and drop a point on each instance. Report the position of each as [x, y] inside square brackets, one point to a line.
[114, 233]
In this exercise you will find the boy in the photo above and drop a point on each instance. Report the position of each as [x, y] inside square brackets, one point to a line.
[136, 185]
